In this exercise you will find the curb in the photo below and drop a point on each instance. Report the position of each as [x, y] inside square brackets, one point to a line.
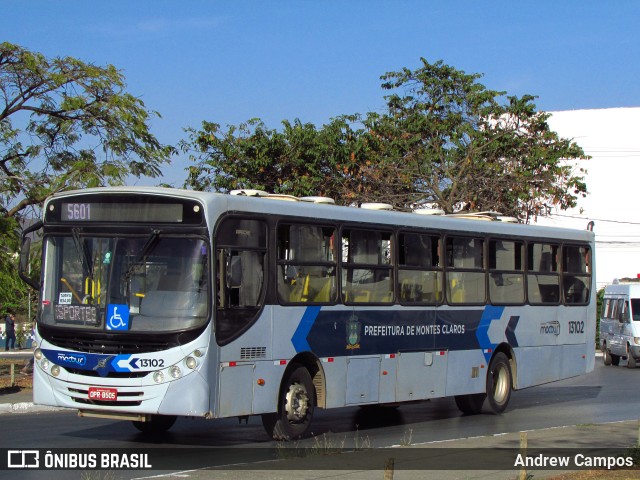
[28, 407]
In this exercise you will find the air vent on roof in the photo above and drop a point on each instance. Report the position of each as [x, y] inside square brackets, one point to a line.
[377, 206]
[323, 200]
[249, 193]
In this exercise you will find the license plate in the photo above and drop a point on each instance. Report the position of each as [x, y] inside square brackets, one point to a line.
[103, 394]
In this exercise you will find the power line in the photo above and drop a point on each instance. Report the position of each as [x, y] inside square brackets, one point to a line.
[594, 219]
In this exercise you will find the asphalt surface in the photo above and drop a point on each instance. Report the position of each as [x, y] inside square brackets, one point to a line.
[580, 444]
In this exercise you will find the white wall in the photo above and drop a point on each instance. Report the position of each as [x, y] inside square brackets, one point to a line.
[612, 138]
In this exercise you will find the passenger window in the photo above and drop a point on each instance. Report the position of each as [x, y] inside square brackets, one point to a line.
[306, 264]
[635, 309]
[624, 309]
[506, 272]
[419, 271]
[576, 274]
[367, 274]
[543, 279]
[465, 270]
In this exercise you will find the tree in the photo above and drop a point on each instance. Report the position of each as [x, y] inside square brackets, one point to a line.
[465, 147]
[68, 124]
[445, 140]
[64, 124]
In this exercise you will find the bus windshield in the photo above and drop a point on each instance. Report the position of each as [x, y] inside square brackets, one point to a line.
[150, 283]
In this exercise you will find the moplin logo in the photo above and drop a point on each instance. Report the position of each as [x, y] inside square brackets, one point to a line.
[550, 328]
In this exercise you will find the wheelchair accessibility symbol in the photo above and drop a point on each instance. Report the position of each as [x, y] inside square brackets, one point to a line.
[117, 317]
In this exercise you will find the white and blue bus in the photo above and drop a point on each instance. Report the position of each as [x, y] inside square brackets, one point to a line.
[158, 303]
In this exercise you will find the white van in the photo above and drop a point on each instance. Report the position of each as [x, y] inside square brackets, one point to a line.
[620, 324]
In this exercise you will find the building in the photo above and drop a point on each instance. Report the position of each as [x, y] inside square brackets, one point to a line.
[610, 137]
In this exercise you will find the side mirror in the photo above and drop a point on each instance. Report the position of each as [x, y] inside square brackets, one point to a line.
[23, 265]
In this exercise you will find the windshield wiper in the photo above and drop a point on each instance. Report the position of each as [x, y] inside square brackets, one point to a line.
[83, 253]
[146, 248]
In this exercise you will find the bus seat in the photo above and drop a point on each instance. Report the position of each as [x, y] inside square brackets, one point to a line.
[324, 292]
[456, 291]
[300, 291]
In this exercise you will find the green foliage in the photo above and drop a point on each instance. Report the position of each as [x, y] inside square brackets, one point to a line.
[444, 140]
[68, 124]
[13, 291]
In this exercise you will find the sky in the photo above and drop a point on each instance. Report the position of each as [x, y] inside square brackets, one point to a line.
[230, 61]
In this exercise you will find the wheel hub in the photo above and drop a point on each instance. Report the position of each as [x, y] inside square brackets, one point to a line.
[297, 403]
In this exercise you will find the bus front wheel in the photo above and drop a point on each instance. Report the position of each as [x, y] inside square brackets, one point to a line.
[156, 424]
[295, 406]
[499, 383]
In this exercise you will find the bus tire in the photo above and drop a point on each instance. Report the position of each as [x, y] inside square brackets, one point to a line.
[499, 383]
[156, 424]
[470, 404]
[606, 356]
[295, 406]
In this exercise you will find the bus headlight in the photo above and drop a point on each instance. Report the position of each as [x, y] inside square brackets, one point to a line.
[191, 363]
[37, 354]
[158, 377]
[636, 340]
[175, 372]
[44, 364]
[55, 370]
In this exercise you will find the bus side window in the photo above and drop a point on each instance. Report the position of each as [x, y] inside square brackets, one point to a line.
[306, 264]
[576, 274]
[506, 278]
[367, 273]
[465, 270]
[543, 279]
[419, 273]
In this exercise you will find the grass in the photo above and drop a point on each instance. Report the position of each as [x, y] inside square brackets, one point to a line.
[598, 475]
[21, 381]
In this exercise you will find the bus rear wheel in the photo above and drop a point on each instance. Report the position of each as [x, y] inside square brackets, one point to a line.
[499, 383]
[156, 424]
[470, 404]
[296, 404]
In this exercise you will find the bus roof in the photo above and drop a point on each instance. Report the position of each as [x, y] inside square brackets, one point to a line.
[218, 204]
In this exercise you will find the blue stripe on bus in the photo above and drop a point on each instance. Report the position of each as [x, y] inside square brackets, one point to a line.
[490, 314]
[299, 339]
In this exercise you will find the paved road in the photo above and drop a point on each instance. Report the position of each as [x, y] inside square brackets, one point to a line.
[609, 394]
